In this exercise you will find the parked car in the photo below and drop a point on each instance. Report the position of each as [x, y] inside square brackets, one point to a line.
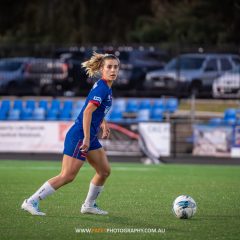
[228, 85]
[135, 63]
[191, 73]
[78, 81]
[49, 75]
[12, 76]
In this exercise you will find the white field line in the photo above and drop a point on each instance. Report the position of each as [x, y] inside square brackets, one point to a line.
[43, 168]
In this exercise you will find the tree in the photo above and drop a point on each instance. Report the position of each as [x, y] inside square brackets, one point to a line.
[190, 22]
[125, 21]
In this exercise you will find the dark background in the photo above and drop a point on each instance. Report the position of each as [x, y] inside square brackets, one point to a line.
[210, 22]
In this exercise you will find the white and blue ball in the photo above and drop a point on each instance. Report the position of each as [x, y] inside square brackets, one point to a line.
[184, 207]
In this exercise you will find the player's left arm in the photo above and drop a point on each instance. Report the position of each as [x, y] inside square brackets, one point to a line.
[105, 129]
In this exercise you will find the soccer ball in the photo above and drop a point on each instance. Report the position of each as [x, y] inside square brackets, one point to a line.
[184, 207]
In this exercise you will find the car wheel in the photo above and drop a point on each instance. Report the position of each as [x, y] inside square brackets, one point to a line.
[36, 90]
[12, 89]
[50, 90]
[195, 89]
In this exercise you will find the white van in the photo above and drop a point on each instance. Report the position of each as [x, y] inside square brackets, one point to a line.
[191, 73]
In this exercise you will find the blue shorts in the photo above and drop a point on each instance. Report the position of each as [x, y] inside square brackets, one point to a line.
[73, 141]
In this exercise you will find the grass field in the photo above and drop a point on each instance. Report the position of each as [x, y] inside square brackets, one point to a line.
[210, 105]
[136, 196]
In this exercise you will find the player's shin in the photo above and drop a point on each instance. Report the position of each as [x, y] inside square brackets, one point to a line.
[93, 193]
[45, 190]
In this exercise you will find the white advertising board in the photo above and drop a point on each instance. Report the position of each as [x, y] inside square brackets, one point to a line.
[155, 138]
[33, 137]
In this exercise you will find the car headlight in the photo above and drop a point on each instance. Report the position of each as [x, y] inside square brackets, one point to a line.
[181, 78]
[148, 78]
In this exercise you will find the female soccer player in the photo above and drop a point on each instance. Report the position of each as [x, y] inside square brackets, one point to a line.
[81, 141]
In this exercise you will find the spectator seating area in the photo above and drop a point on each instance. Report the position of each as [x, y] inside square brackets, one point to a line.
[231, 116]
[123, 110]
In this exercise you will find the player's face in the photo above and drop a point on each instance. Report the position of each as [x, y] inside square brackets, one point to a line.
[110, 69]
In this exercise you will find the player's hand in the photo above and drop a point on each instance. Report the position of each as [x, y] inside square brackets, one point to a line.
[85, 145]
[105, 131]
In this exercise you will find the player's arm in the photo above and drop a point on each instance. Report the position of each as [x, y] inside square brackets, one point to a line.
[87, 119]
[105, 129]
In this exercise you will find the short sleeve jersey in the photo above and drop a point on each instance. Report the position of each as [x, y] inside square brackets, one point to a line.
[101, 96]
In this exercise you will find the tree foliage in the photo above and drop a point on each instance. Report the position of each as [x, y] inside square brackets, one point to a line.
[125, 21]
[191, 21]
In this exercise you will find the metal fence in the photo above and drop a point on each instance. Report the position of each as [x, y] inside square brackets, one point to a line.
[198, 73]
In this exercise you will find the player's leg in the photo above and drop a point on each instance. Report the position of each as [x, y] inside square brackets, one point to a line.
[98, 159]
[70, 168]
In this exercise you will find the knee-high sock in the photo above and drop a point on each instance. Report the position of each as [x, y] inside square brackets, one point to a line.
[92, 195]
[45, 190]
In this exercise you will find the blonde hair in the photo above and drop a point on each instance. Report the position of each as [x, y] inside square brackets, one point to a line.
[94, 64]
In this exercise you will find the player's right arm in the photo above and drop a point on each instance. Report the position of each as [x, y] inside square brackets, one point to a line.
[87, 119]
[105, 129]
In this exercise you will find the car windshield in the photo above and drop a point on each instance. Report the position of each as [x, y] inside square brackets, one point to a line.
[9, 66]
[134, 57]
[236, 60]
[236, 70]
[185, 63]
[45, 68]
[123, 56]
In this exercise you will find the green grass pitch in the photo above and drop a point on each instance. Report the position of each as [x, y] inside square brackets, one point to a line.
[137, 197]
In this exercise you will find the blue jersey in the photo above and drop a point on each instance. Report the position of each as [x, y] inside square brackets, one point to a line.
[101, 96]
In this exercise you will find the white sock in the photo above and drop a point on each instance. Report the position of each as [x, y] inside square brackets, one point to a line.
[93, 193]
[45, 190]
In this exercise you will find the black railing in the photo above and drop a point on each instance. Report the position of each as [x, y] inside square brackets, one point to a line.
[188, 75]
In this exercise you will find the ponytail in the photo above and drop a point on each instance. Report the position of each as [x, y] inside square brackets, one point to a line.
[94, 64]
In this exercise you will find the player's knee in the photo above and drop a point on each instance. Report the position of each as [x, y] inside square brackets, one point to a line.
[105, 173]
